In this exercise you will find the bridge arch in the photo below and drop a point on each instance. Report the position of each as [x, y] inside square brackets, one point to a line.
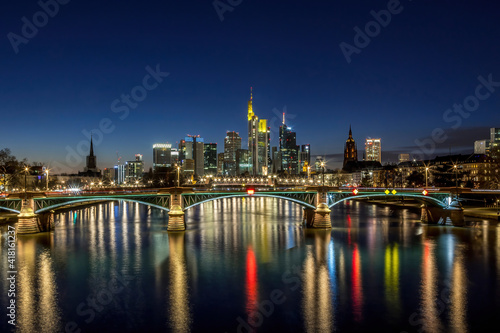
[84, 201]
[257, 194]
[10, 210]
[419, 197]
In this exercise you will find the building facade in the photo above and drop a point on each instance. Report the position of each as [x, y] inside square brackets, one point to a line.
[134, 169]
[373, 150]
[162, 155]
[304, 157]
[193, 149]
[482, 147]
[210, 158]
[288, 149]
[258, 141]
[232, 142]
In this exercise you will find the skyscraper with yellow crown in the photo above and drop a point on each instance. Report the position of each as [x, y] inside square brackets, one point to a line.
[258, 141]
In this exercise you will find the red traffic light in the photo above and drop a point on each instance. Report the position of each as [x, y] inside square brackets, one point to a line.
[355, 191]
[250, 191]
[424, 192]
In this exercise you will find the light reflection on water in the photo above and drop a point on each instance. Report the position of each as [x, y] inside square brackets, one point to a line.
[376, 268]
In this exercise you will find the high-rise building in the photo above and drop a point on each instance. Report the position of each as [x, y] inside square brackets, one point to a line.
[193, 147]
[403, 158]
[481, 146]
[162, 155]
[373, 150]
[494, 146]
[288, 149]
[318, 162]
[304, 157]
[182, 151]
[232, 142]
[276, 162]
[134, 169]
[263, 143]
[220, 163]
[258, 141]
[350, 149]
[174, 156]
[188, 167]
[242, 161]
[119, 174]
[210, 157]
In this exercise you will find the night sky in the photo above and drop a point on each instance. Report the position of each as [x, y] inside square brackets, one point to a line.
[65, 79]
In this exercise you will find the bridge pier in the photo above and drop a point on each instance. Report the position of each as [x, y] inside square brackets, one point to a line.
[176, 216]
[319, 217]
[29, 223]
[452, 215]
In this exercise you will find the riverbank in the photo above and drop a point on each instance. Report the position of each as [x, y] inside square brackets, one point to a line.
[414, 206]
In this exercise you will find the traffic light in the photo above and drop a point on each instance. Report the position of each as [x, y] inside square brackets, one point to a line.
[355, 191]
[424, 192]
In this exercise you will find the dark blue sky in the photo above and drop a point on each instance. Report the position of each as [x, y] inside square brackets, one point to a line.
[65, 78]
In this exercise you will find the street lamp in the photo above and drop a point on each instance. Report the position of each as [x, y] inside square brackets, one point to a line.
[26, 169]
[47, 179]
[426, 169]
[323, 169]
[456, 180]
[178, 180]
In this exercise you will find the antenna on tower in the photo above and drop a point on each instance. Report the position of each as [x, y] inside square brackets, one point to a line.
[251, 93]
[283, 118]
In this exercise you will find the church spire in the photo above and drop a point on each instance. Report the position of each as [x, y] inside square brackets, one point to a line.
[91, 146]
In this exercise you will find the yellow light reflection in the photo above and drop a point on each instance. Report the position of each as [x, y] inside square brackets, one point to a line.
[391, 279]
[37, 292]
[458, 297]
[179, 314]
[317, 298]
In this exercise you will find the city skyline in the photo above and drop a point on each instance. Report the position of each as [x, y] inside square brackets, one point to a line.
[68, 82]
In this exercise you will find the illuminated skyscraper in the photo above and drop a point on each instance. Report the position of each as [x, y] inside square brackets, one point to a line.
[220, 163]
[162, 155]
[350, 149]
[193, 147]
[232, 142]
[134, 169]
[304, 157]
[258, 141]
[264, 142]
[288, 149]
[494, 145]
[210, 157]
[373, 150]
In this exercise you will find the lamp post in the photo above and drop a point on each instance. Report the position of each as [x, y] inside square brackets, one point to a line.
[25, 175]
[426, 169]
[178, 180]
[323, 172]
[456, 180]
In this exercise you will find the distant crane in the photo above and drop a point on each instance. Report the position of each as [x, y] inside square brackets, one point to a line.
[118, 158]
